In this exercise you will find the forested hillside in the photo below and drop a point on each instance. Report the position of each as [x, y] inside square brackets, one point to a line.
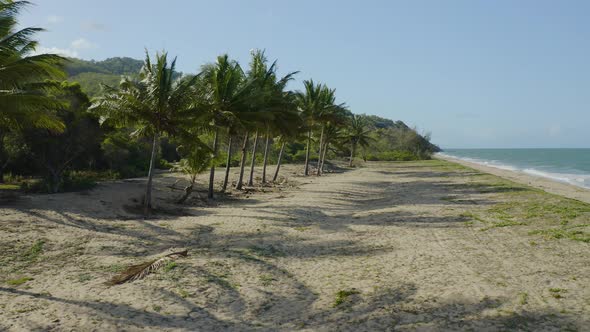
[90, 73]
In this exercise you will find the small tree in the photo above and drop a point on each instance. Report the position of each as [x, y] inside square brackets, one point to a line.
[196, 158]
[357, 134]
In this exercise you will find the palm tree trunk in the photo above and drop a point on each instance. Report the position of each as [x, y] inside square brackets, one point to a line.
[266, 146]
[227, 164]
[212, 173]
[306, 172]
[240, 184]
[274, 179]
[147, 204]
[352, 154]
[251, 178]
[319, 170]
[324, 151]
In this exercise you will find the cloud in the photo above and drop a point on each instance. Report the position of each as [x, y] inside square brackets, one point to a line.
[77, 45]
[56, 50]
[53, 19]
[94, 26]
[82, 44]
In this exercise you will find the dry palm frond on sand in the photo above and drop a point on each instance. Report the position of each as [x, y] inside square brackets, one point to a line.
[139, 271]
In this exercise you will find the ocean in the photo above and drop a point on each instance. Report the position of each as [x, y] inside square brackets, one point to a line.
[564, 165]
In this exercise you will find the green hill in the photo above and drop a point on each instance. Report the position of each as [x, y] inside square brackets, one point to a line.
[90, 73]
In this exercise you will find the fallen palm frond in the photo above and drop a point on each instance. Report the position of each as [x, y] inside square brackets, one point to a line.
[139, 271]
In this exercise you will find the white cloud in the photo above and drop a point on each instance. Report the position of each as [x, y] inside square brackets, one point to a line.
[82, 44]
[56, 50]
[77, 45]
[94, 26]
[53, 19]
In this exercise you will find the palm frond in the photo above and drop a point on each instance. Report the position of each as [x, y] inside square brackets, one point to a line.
[140, 271]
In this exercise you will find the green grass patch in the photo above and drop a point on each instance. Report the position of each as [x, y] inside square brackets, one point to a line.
[8, 186]
[19, 281]
[557, 292]
[572, 233]
[266, 279]
[34, 251]
[85, 277]
[170, 266]
[523, 298]
[342, 296]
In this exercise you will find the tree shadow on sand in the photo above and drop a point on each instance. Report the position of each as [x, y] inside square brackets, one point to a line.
[396, 308]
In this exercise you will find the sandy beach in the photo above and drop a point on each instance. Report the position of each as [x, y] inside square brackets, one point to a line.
[412, 246]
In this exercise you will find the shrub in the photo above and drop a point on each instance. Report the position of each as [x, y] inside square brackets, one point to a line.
[164, 164]
[395, 156]
[72, 181]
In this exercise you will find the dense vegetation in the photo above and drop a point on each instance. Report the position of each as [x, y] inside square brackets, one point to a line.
[123, 118]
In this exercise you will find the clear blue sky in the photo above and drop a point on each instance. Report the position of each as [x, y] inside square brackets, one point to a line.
[474, 73]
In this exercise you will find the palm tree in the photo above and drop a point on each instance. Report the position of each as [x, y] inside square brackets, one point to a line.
[289, 127]
[309, 102]
[269, 102]
[330, 115]
[357, 134]
[23, 98]
[286, 118]
[332, 133]
[227, 97]
[155, 104]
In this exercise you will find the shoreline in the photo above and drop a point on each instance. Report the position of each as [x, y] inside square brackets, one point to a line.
[539, 182]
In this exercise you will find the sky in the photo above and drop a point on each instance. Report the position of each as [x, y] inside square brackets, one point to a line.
[475, 74]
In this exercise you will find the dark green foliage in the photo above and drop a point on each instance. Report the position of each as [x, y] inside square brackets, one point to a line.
[77, 145]
[126, 156]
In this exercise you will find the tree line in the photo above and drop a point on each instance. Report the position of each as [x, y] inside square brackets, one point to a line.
[225, 115]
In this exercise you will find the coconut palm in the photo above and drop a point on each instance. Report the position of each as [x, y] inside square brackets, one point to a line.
[357, 134]
[24, 101]
[285, 115]
[331, 117]
[227, 97]
[309, 103]
[289, 127]
[155, 104]
[270, 106]
[333, 133]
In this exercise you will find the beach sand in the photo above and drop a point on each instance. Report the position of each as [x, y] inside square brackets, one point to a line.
[407, 246]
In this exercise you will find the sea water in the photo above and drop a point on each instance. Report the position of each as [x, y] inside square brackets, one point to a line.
[564, 165]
